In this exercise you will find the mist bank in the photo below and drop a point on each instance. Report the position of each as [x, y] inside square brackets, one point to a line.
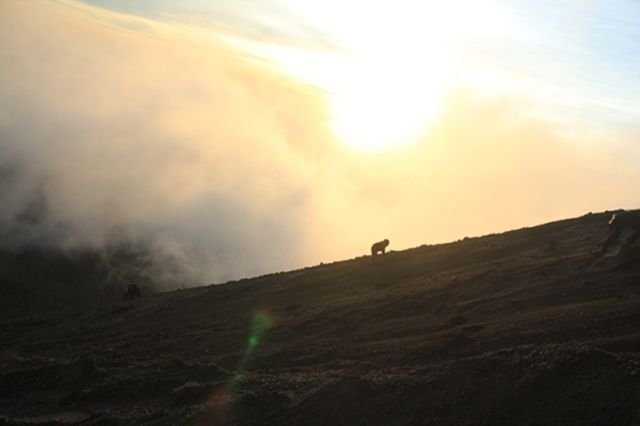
[122, 132]
[112, 136]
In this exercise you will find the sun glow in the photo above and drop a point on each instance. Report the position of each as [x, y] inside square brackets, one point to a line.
[392, 74]
[386, 107]
[393, 63]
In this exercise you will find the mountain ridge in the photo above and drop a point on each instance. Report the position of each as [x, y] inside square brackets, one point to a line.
[522, 327]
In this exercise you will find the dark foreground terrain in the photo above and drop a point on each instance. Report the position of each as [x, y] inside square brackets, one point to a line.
[526, 327]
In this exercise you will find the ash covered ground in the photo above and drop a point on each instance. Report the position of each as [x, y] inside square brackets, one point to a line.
[525, 327]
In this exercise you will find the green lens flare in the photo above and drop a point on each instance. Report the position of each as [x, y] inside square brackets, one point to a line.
[253, 342]
[260, 325]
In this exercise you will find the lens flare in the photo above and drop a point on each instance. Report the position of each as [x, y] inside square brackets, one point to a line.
[260, 324]
[220, 402]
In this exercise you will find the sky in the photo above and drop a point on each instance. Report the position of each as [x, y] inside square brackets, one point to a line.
[580, 56]
[244, 137]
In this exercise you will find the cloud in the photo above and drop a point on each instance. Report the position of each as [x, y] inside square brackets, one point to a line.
[145, 133]
[150, 133]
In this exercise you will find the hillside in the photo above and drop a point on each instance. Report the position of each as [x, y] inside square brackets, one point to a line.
[35, 279]
[525, 327]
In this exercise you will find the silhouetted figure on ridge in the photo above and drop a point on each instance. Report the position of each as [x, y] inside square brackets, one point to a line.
[379, 247]
[133, 292]
[618, 223]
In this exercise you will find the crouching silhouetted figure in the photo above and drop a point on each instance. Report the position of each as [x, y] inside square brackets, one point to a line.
[618, 223]
[379, 247]
[133, 292]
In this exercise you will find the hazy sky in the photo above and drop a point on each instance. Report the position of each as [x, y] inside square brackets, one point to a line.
[581, 56]
[243, 137]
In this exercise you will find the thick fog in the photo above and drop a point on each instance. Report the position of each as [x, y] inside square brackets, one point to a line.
[117, 133]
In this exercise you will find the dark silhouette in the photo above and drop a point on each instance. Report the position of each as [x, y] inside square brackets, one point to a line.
[618, 223]
[379, 247]
[133, 292]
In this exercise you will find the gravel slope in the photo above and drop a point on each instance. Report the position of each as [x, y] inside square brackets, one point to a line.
[525, 327]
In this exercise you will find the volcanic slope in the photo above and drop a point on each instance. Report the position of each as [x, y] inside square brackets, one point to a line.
[526, 327]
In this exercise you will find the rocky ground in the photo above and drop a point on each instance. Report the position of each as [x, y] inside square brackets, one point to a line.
[525, 327]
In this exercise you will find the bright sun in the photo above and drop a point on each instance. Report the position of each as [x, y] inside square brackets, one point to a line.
[389, 84]
[400, 59]
[393, 65]
[385, 109]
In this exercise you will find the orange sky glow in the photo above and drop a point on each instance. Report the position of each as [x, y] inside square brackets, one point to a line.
[232, 148]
